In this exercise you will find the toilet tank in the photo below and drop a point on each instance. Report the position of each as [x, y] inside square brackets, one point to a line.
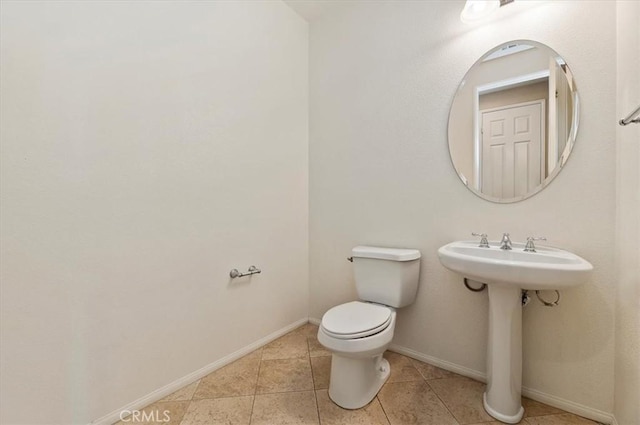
[386, 276]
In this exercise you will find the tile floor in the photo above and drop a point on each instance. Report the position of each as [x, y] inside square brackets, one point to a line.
[286, 381]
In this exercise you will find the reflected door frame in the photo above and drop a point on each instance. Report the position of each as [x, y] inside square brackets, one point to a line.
[477, 116]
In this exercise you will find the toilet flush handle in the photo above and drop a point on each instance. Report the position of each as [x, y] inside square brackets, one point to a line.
[350, 259]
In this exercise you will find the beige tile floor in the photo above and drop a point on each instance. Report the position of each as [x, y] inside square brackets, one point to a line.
[286, 381]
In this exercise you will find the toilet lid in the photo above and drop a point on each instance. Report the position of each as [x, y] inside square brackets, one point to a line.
[356, 320]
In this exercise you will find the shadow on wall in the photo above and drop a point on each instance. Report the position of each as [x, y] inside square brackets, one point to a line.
[542, 326]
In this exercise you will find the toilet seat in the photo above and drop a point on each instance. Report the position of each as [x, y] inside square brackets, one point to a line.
[356, 319]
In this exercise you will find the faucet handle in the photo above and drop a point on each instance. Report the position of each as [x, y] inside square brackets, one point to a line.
[530, 246]
[484, 243]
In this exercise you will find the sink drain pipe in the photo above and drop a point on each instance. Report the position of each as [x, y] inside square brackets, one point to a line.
[525, 294]
[472, 289]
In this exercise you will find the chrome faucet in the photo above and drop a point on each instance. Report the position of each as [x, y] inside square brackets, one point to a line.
[505, 243]
[484, 243]
[530, 246]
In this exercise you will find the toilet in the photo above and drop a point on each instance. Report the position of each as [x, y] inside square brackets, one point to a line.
[358, 332]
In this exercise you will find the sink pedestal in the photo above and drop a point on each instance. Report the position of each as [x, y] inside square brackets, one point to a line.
[506, 273]
[504, 354]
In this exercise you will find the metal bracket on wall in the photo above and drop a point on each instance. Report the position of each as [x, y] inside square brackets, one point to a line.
[547, 303]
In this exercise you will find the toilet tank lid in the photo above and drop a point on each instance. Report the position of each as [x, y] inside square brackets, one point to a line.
[393, 254]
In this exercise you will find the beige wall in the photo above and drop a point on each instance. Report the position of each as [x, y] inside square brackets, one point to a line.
[627, 359]
[382, 78]
[147, 149]
[515, 95]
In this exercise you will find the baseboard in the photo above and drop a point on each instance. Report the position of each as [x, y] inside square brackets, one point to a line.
[315, 321]
[569, 406]
[160, 393]
[560, 403]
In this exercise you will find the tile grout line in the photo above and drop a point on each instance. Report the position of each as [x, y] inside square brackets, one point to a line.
[315, 394]
[436, 394]
[255, 388]
[189, 400]
[384, 412]
[186, 410]
[441, 400]
[313, 382]
[313, 375]
[313, 379]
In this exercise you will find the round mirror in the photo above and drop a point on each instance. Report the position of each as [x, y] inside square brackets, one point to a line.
[513, 121]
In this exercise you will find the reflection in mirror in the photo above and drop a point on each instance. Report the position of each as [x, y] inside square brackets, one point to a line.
[513, 121]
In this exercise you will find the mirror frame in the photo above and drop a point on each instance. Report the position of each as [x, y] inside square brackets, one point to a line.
[572, 133]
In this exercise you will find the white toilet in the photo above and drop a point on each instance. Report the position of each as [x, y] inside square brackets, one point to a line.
[358, 332]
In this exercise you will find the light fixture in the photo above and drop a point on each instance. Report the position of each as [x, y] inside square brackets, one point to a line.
[476, 10]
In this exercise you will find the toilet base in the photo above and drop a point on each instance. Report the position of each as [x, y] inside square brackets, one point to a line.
[356, 381]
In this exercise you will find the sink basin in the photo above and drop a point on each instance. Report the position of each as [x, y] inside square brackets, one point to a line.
[547, 268]
[507, 273]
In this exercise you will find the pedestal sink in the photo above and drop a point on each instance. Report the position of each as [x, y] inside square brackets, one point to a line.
[507, 273]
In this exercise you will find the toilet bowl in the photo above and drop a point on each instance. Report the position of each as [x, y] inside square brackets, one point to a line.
[358, 369]
[358, 332]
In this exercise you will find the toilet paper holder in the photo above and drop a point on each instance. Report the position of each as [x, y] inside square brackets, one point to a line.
[234, 273]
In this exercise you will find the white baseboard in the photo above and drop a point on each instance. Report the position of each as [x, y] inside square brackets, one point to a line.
[160, 393]
[315, 321]
[569, 406]
[551, 400]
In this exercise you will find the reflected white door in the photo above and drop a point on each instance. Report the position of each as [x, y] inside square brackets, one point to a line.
[512, 149]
